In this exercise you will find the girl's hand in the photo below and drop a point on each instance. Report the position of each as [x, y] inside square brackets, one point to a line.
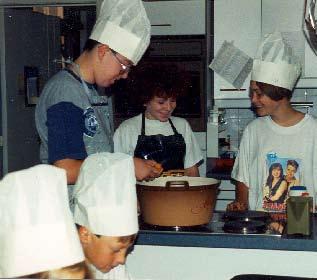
[237, 206]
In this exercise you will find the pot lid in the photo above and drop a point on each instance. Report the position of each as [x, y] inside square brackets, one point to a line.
[246, 215]
[192, 181]
[245, 227]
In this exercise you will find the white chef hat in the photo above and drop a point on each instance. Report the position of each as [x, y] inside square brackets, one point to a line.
[105, 195]
[275, 63]
[37, 230]
[124, 26]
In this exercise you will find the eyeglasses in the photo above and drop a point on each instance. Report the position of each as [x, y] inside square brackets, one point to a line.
[124, 68]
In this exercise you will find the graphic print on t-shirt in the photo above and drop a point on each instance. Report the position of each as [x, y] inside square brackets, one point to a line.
[91, 122]
[282, 174]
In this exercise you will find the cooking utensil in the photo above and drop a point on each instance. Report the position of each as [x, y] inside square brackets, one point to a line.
[174, 173]
[246, 215]
[177, 201]
[245, 227]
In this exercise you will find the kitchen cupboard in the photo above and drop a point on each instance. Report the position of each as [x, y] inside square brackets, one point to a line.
[46, 2]
[237, 21]
[287, 16]
[251, 20]
[176, 17]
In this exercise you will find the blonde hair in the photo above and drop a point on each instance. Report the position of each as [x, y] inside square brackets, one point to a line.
[123, 239]
[127, 239]
[75, 271]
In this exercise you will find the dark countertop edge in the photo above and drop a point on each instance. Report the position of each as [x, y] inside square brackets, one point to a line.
[225, 241]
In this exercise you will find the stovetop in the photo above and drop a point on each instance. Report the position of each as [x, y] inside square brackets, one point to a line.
[219, 224]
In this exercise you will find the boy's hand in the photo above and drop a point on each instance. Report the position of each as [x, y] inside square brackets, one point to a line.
[146, 169]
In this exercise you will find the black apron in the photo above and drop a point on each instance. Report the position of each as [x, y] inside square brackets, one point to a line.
[169, 151]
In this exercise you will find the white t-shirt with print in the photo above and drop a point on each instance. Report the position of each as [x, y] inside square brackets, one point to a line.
[126, 136]
[265, 143]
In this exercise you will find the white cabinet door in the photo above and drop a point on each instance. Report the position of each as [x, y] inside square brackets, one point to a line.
[240, 22]
[176, 17]
[283, 15]
[45, 2]
[287, 16]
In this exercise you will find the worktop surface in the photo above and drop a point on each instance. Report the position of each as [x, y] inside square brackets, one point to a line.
[228, 240]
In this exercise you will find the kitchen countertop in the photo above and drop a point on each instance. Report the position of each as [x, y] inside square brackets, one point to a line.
[227, 240]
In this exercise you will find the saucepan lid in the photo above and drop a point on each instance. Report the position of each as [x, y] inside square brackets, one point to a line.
[177, 182]
[246, 215]
[244, 227]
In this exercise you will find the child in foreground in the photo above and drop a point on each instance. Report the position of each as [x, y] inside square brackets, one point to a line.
[105, 211]
[38, 238]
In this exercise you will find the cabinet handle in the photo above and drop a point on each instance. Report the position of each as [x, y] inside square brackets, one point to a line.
[303, 104]
[232, 89]
[162, 24]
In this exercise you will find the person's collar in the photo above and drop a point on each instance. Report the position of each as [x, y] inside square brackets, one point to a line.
[90, 86]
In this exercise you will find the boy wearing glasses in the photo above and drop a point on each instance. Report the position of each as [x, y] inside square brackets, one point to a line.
[71, 118]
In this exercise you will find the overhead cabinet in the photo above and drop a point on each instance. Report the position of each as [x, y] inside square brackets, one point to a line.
[176, 17]
[10, 3]
[287, 16]
[246, 21]
[240, 22]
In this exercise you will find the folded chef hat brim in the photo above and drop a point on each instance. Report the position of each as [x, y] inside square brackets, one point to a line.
[102, 220]
[120, 40]
[280, 74]
[105, 195]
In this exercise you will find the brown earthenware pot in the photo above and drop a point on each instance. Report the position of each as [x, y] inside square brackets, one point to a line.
[177, 201]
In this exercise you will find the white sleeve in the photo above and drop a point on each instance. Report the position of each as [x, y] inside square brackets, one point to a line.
[193, 151]
[126, 136]
[118, 140]
[240, 171]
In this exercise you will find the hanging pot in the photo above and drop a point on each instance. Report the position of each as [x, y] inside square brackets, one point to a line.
[177, 201]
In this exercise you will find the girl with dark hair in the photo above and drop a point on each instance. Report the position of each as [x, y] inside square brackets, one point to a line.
[277, 188]
[155, 134]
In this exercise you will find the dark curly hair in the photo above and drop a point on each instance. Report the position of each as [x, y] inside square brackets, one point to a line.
[160, 81]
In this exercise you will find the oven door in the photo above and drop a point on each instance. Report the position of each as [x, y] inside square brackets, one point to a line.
[185, 54]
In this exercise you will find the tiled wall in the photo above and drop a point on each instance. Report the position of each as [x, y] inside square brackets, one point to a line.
[236, 120]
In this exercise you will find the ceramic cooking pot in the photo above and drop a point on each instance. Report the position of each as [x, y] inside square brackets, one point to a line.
[177, 201]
